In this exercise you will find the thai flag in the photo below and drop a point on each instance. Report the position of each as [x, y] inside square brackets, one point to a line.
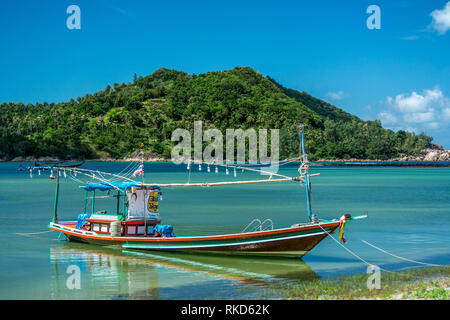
[139, 171]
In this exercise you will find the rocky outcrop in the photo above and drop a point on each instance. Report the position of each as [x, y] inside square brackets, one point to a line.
[435, 153]
[148, 156]
[30, 159]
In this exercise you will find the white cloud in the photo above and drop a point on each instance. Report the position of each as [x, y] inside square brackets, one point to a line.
[419, 117]
[429, 109]
[336, 95]
[387, 117]
[414, 37]
[433, 125]
[389, 100]
[441, 19]
[417, 102]
[446, 113]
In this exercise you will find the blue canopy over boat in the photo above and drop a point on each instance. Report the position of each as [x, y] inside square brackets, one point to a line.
[103, 186]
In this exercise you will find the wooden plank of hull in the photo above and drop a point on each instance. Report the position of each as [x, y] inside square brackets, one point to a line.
[295, 246]
[283, 248]
[295, 241]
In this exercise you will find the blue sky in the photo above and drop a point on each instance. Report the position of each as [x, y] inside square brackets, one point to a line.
[399, 73]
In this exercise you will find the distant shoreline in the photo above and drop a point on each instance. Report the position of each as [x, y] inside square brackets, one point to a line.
[316, 163]
[379, 163]
[431, 157]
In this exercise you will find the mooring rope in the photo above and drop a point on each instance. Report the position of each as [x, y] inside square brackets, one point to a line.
[401, 258]
[354, 254]
[32, 235]
[384, 251]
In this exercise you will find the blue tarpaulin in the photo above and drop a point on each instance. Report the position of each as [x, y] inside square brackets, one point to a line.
[164, 230]
[81, 219]
[103, 186]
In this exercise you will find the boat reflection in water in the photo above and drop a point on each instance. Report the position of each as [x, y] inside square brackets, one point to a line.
[110, 273]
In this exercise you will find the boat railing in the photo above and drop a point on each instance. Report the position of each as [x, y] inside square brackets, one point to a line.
[267, 224]
[257, 225]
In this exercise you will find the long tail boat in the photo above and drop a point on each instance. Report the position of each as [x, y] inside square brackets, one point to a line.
[136, 224]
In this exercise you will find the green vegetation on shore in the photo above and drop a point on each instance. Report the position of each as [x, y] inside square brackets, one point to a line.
[112, 123]
[423, 283]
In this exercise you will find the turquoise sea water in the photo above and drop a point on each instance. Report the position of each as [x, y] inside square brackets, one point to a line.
[408, 208]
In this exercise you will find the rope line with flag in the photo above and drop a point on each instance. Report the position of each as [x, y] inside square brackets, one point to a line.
[139, 171]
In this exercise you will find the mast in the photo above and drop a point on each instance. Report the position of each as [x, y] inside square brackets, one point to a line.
[55, 210]
[118, 203]
[305, 167]
[143, 190]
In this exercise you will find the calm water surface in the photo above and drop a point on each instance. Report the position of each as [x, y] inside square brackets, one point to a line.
[409, 210]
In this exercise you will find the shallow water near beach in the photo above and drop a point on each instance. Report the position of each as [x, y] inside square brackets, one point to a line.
[408, 214]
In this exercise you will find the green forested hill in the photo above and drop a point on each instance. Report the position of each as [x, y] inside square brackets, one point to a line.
[112, 123]
[319, 106]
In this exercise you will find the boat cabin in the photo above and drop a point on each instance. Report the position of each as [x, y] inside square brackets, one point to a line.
[136, 211]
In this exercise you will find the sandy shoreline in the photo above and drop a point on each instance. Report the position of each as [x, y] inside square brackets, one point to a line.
[431, 283]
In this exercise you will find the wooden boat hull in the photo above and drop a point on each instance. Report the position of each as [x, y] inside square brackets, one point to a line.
[287, 242]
